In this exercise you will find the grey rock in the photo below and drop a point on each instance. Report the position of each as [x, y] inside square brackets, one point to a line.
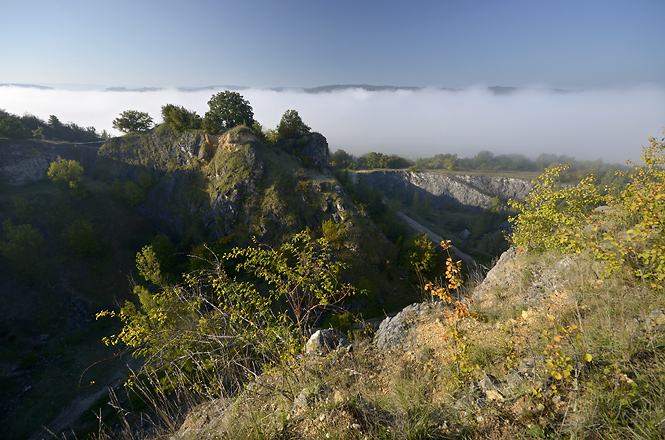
[491, 383]
[324, 341]
[307, 398]
[515, 378]
[393, 333]
[25, 161]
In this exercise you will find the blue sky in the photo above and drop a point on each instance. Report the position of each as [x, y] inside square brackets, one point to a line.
[294, 43]
[608, 54]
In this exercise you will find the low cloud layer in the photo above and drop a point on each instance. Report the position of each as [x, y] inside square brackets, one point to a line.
[610, 124]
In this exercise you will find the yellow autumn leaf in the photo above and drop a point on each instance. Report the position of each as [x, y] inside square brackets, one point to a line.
[587, 357]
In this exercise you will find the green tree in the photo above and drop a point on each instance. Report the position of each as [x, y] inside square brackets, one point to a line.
[341, 160]
[419, 254]
[179, 118]
[227, 109]
[24, 247]
[68, 175]
[131, 121]
[13, 128]
[291, 125]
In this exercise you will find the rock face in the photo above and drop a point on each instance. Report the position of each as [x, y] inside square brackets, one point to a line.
[466, 190]
[313, 149]
[25, 161]
[216, 185]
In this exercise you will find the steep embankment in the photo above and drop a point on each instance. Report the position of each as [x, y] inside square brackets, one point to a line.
[463, 189]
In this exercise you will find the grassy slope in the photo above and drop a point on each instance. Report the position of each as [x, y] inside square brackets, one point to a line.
[429, 391]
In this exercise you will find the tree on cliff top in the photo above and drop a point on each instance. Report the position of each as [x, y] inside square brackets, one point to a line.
[291, 125]
[132, 121]
[179, 118]
[227, 109]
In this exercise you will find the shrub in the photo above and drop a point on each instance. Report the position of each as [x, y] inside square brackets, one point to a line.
[633, 226]
[629, 231]
[551, 217]
[214, 330]
[68, 175]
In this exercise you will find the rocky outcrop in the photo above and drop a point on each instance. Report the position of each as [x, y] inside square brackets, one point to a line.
[400, 331]
[312, 149]
[25, 161]
[162, 150]
[467, 190]
[324, 341]
[215, 185]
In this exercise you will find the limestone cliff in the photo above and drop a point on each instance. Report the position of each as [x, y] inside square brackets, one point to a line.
[230, 183]
[25, 161]
[467, 190]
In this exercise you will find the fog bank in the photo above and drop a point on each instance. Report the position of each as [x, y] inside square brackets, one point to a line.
[610, 124]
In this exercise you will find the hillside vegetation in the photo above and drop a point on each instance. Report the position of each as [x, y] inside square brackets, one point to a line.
[68, 246]
[565, 337]
[210, 251]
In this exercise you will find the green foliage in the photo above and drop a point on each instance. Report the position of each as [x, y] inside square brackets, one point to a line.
[132, 193]
[564, 353]
[419, 254]
[28, 361]
[333, 233]
[148, 265]
[628, 232]
[13, 129]
[551, 217]
[68, 175]
[28, 125]
[23, 209]
[633, 226]
[24, 246]
[376, 160]
[291, 125]
[438, 162]
[39, 133]
[341, 160]
[131, 121]
[302, 272]
[213, 329]
[179, 118]
[82, 237]
[227, 109]
[487, 161]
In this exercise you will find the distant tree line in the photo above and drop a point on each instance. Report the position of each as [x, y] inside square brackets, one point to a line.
[483, 161]
[30, 126]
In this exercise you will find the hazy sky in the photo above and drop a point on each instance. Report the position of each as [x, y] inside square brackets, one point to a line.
[305, 43]
[609, 52]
